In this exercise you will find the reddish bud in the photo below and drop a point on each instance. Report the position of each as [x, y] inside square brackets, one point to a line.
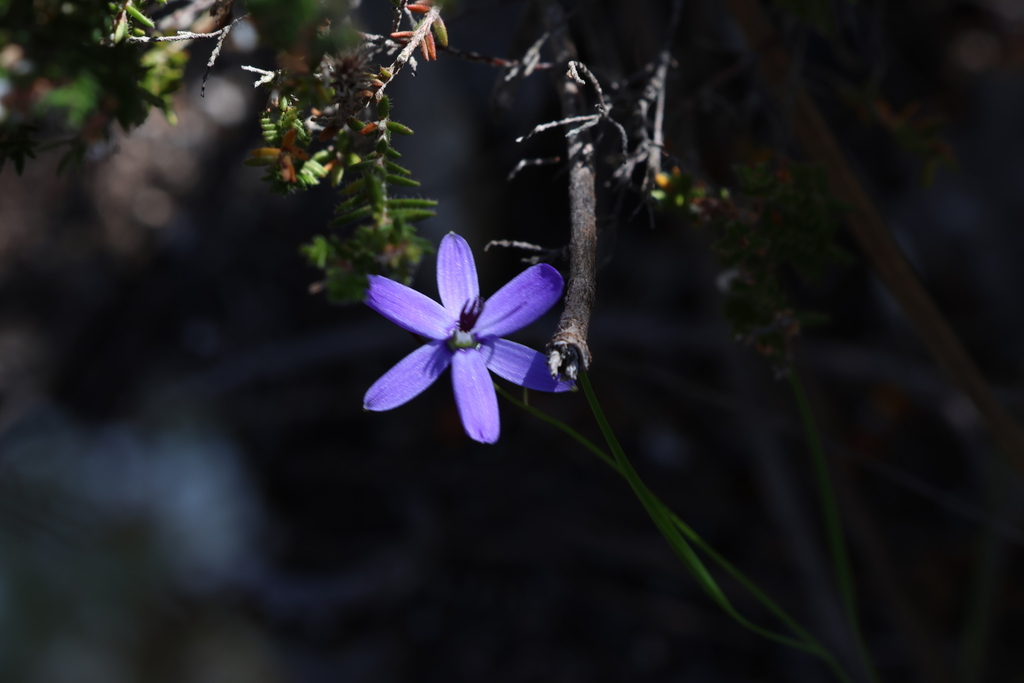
[264, 152]
[287, 169]
[431, 46]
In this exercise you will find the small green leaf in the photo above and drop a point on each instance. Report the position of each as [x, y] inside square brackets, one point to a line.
[375, 191]
[139, 16]
[395, 168]
[349, 204]
[441, 31]
[354, 187]
[318, 251]
[412, 215]
[120, 27]
[337, 173]
[411, 203]
[315, 168]
[352, 216]
[401, 180]
[396, 127]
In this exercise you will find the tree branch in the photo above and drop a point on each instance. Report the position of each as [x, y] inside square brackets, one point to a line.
[567, 351]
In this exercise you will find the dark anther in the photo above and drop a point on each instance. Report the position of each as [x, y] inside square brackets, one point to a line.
[470, 313]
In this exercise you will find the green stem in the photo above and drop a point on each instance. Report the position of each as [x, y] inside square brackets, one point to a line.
[833, 523]
[576, 436]
[674, 530]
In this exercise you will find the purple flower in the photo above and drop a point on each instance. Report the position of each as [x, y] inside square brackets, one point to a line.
[465, 333]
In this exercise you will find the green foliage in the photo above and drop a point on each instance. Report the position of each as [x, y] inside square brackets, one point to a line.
[777, 220]
[69, 70]
[289, 166]
[325, 71]
[377, 231]
[74, 68]
[164, 65]
[367, 250]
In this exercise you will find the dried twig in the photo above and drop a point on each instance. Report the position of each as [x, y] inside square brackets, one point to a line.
[220, 34]
[417, 37]
[265, 76]
[652, 144]
[588, 122]
[529, 60]
[216, 52]
[604, 110]
[567, 351]
[180, 36]
[869, 230]
[541, 254]
[523, 163]
[514, 244]
[396, 15]
[515, 66]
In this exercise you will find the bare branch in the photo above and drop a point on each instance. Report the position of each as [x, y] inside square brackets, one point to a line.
[657, 86]
[514, 244]
[523, 163]
[265, 76]
[592, 119]
[396, 15]
[515, 66]
[183, 35]
[603, 110]
[652, 144]
[567, 351]
[417, 37]
[216, 53]
[516, 72]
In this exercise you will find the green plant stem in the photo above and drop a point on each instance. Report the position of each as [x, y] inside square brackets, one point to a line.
[833, 523]
[674, 530]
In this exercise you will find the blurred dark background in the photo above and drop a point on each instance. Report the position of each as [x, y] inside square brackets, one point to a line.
[190, 490]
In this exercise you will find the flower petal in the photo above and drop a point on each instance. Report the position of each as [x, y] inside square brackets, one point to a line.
[456, 274]
[408, 308]
[522, 365]
[409, 378]
[474, 395]
[522, 300]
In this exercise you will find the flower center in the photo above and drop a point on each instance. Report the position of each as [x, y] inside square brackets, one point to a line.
[463, 337]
